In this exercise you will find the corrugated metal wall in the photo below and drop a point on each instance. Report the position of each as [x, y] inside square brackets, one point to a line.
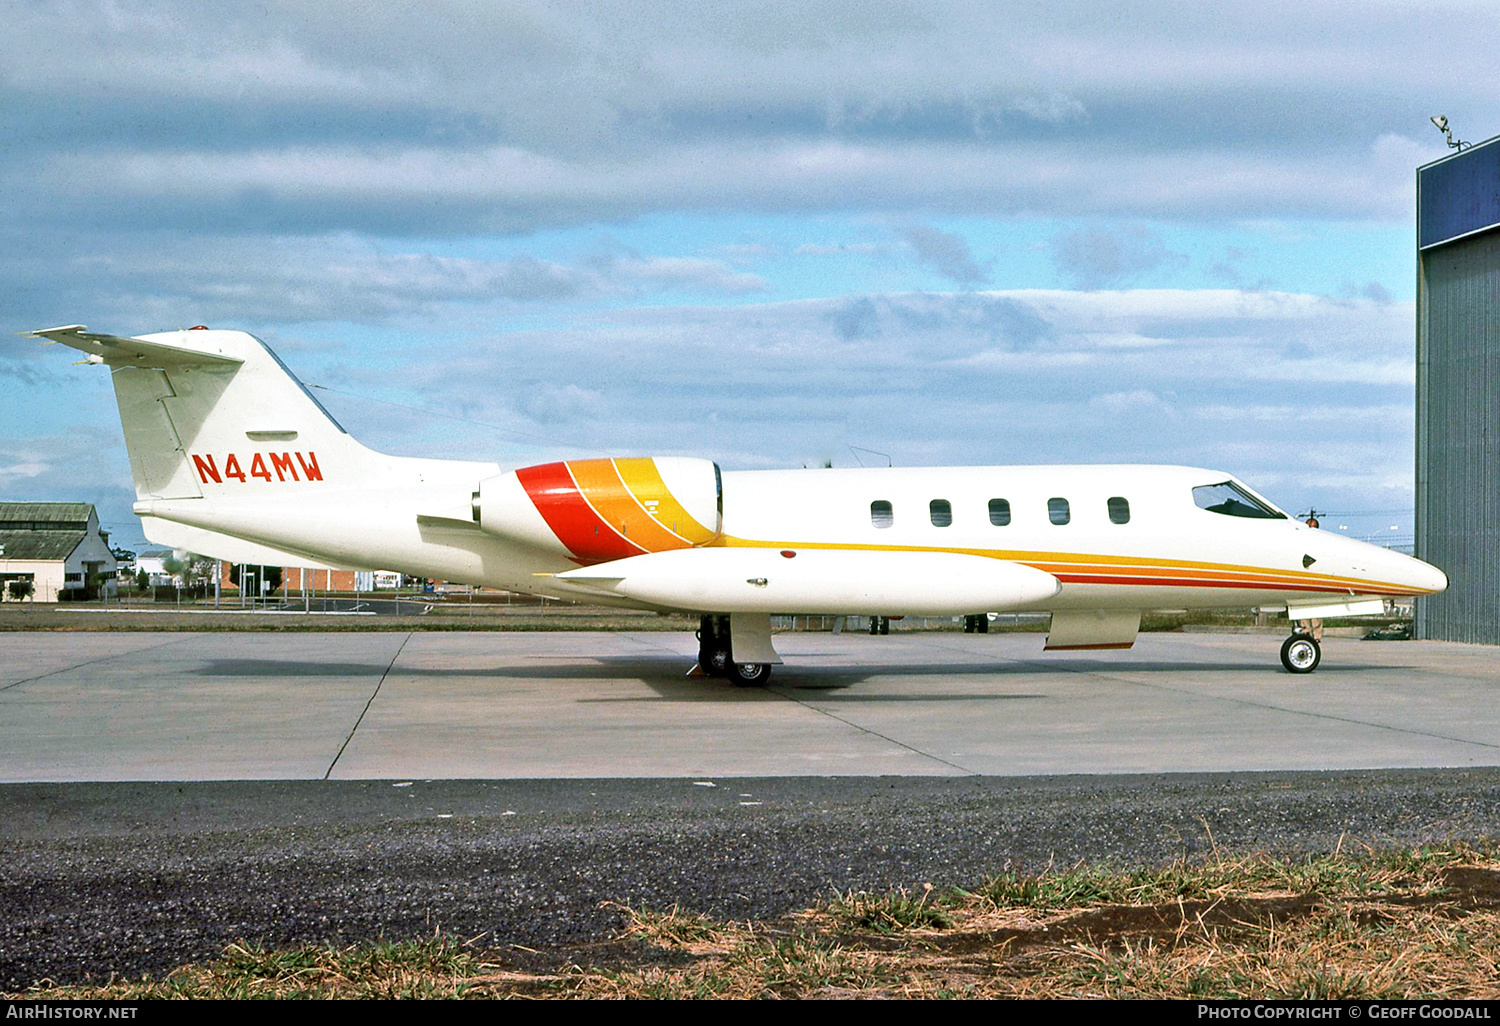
[1458, 436]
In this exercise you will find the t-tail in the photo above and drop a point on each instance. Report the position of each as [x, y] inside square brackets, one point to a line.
[227, 448]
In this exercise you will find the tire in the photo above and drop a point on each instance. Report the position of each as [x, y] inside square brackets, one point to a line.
[1301, 654]
[749, 675]
[714, 660]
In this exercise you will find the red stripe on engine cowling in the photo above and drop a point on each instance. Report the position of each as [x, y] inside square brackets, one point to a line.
[557, 498]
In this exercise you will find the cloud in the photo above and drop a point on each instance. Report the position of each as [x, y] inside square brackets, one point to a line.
[86, 463]
[1372, 290]
[977, 377]
[952, 325]
[139, 283]
[1140, 402]
[944, 252]
[1096, 258]
[836, 248]
[25, 372]
[334, 118]
[548, 403]
[631, 269]
[856, 319]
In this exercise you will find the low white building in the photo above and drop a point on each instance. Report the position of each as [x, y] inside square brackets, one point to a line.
[154, 562]
[48, 548]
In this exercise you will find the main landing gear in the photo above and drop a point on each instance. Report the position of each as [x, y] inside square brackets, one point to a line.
[1301, 653]
[714, 655]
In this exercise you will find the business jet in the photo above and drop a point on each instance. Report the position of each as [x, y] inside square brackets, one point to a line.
[234, 458]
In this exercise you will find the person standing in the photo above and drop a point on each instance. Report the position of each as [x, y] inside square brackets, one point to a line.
[1313, 628]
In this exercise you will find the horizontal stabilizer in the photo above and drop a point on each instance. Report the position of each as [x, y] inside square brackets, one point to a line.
[133, 352]
[833, 581]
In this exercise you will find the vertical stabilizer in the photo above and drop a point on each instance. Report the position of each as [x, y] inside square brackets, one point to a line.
[216, 415]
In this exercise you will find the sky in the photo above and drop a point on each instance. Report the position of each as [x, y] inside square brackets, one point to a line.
[771, 234]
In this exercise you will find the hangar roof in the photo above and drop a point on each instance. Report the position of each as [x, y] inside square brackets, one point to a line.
[39, 544]
[43, 530]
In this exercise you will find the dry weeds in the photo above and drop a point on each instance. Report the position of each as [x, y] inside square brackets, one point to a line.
[1411, 924]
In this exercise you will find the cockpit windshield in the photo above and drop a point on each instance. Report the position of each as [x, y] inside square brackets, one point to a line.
[1232, 500]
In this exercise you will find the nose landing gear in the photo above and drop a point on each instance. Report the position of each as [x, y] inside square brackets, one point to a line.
[1301, 653]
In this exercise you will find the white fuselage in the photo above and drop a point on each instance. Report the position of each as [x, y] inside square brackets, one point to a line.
[1167, 554]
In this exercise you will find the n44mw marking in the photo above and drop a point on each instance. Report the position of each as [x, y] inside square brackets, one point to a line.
[262, 465]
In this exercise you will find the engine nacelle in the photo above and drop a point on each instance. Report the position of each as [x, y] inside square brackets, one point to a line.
[604, 509]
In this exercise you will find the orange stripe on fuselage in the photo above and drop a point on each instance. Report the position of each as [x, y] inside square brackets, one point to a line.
[1144, 581]
[601, 484]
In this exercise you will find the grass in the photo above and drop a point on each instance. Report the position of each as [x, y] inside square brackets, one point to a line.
[1410, 924]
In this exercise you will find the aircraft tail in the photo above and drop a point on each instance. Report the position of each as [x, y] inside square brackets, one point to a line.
[224, 440]
[215, 414]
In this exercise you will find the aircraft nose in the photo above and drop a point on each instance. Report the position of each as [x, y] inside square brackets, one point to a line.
[1436, 580]
[1425, 577]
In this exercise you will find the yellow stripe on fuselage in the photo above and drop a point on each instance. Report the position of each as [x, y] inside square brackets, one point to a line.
[645, 483]
[1072, 563]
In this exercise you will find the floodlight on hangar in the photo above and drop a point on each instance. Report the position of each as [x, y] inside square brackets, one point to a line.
[1440, 122]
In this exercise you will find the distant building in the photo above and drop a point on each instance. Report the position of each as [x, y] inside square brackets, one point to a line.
[154, 563]
[298, 579]
[52, 550]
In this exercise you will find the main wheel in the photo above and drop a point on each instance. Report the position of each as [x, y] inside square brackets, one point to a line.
[1301, 653]
[749, 675]
[713, 659]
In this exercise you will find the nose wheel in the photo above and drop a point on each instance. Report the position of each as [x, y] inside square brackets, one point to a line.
[1301, 653]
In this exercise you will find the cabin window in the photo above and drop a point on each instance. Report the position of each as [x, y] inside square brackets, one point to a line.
[1000, 512]
[1119, 510]
[881, 514]
[941, 512]
[1231, 500]
[1058, 512]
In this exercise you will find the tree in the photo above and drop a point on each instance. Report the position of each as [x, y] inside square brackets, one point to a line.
[190, 568]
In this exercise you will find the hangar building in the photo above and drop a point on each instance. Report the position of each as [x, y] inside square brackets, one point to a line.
[1458, 391]
[50, 550]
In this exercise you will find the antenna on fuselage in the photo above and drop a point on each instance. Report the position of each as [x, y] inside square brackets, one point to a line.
[856, 450]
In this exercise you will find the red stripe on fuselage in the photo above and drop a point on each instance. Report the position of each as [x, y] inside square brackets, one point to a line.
[557, 498]
[1143, 580]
